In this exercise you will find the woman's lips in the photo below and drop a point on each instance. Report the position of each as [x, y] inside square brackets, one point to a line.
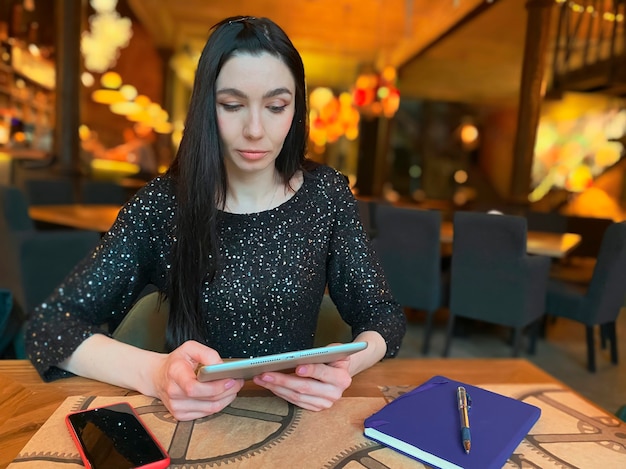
[252, 154]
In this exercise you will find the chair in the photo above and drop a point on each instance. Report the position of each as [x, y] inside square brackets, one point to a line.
[330, 325]
[600, 302]
[366, 214]
[550, 222]
[49, 191]
[103, 192]
[145, 325]
[11, 320]
[408, 246]
[35, 262]
[493, 279]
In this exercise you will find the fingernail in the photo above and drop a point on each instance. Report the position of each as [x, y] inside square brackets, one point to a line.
[268, 378]
[302, 370]
[229, 384]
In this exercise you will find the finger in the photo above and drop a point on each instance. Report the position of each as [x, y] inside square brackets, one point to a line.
[189, 409]
[197, 353]
[212, 390]
[312, 402]
[305, 392]
[335, 373]
[183, 363]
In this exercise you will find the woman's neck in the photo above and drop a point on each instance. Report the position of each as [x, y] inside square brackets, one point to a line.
[254, 193]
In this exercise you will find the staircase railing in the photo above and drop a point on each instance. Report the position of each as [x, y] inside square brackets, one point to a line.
[590, 46]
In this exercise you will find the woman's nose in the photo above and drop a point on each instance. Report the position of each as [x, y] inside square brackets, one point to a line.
[254, 126]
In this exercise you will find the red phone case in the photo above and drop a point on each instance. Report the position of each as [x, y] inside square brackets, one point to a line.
[161, 464]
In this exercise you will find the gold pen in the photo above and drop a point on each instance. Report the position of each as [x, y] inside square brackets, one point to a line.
[464, 414]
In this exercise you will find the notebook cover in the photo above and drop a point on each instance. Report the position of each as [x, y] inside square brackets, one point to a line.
[425, 424]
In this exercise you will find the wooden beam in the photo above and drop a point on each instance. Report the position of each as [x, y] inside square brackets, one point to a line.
[433, 29]
[535, 49]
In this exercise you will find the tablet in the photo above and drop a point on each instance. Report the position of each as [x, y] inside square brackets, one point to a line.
[249, 367]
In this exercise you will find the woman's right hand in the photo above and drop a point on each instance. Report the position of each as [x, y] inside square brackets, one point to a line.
[186, 398]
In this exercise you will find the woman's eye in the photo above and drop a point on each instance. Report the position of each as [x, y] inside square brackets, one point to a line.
[231, 107]
[277, 109]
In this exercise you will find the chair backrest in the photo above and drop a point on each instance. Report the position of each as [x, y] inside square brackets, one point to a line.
[331, 327]
[488, 239]
[409, 248]
[49, 191]
[102, 192]
[365, 214]
[607, 288]
[32, 262]
[14, 207]
[488, 276]
[550, 222]
[145, 325]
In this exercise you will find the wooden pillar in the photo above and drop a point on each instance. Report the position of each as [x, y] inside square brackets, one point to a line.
[163, 144]
[374, 137]
[68, 15]
[535, 48]
[168, 77]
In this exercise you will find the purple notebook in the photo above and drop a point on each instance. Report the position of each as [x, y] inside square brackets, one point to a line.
[425, 424]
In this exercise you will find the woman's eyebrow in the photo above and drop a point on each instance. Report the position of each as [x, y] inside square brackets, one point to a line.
[241, 94]
[231, 91]
[277, 92]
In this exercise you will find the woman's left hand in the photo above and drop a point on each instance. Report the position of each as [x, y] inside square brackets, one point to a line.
[312, 387]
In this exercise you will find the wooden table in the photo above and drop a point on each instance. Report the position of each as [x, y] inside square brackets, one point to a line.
[26, 402]
[538, 242]
[86, 217]
[101, 218]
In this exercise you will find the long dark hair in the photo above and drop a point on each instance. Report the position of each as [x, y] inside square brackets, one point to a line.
[199, 173]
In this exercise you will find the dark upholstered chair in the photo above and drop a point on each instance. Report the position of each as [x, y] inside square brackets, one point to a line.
[493, 279]
[599, 303]
[35, 262]
[11, 320]
[103, 192]
[49, 191]
[366, 214]
[550, 222]
[408, 246]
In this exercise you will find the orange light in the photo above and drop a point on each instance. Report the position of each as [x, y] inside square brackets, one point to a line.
[106, 96]
[377, 94]
[469, 133]
[111, 80]
[125, 108]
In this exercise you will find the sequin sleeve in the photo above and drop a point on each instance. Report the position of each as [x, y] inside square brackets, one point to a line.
[96, 295]
[356, 282]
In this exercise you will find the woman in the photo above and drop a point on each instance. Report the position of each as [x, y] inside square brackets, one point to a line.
[242, 234]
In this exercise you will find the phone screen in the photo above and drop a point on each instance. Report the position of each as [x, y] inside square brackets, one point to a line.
[113, 437]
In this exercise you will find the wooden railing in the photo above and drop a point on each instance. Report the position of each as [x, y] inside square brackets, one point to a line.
[590, 47]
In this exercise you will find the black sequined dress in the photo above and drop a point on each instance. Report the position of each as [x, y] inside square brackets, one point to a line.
[265, 298]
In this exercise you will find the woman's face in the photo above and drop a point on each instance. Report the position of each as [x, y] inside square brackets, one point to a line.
[255, 98]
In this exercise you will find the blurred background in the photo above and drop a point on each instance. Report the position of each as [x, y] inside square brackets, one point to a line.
[448, 104]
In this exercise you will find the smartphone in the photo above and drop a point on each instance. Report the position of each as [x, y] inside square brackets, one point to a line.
[247, 368]
[114, 437]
